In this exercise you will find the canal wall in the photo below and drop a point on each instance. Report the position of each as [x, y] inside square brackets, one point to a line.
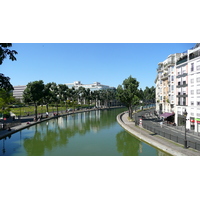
[154, 140]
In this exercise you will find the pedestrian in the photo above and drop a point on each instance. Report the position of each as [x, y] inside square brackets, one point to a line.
[161, 123]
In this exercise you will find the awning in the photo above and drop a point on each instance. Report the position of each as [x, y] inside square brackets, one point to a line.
[166, 115]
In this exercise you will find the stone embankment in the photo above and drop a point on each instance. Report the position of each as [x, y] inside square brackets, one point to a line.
[154, 140]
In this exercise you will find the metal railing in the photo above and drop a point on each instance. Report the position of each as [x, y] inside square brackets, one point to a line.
[169, 136]
[7, 125]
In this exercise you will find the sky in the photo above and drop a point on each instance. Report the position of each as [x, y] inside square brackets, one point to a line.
[107, 63]
[105, 41]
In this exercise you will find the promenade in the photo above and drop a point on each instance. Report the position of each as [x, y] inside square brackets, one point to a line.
[154, 140]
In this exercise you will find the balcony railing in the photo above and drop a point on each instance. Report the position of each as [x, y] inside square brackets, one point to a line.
[194, 54]
[181, 60]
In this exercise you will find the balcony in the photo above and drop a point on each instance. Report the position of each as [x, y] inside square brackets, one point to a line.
[164, 76]
[182, 94]
[181, 103]
[181, 84]
[194, 55]
[181, 60]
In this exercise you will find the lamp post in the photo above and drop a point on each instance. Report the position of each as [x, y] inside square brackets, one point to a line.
[185, 142]
[135, 119]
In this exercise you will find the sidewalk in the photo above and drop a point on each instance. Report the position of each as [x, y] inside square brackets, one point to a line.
[154, 140]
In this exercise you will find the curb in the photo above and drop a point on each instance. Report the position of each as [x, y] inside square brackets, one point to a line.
[159, 143]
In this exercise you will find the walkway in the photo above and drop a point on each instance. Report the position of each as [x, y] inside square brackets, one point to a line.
[154, 140]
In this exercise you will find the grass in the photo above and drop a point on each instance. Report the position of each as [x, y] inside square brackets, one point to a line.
[30, 110]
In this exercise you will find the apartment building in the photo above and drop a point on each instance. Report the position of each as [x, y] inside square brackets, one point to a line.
[193, 108]
[166, 87]
[178, 88]
[181, 88]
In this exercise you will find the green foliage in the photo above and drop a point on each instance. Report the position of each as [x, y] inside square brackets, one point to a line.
[5, 83]
[4, 52]
[128, 93]
[5, 100]
[34, 93]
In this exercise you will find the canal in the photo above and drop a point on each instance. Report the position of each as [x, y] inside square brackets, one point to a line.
[94, 133]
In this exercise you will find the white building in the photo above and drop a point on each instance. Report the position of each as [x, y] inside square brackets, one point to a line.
[181, 89]
[178, 87]
[18, 91]
[193, 108]
[94, 86]
[166, 85]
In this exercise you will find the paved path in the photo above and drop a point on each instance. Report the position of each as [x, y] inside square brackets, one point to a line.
[155, 140]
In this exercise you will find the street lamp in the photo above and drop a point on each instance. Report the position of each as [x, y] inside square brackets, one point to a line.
[185, 142]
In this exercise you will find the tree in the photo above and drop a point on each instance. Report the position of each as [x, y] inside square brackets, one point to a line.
[48, 96]
[149, 95]
[5, 100]
[5, 83]
[34, 93]
[55, 95]
[128, 93]
[4, 52]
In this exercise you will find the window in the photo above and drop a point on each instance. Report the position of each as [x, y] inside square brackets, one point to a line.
[191, 80]
[192, 103]
[198, 91]
[192, 67]
[192, 92]
[184, 101]
[198, 103]
[198, 68]
[172, 78]
[198, 79]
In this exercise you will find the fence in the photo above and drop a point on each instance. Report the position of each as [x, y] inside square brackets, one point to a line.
[5, 126]
[169, 136]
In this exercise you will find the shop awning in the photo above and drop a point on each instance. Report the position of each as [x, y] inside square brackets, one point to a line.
[166, 115]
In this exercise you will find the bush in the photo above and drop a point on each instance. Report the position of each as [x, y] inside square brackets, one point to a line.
[6, 115]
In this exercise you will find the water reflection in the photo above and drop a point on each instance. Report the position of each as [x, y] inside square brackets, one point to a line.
[127, 145]
[88, 133]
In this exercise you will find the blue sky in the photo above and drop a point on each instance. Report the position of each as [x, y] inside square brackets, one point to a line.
[107, 63]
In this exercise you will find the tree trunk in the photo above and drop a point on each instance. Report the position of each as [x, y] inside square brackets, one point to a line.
[57, 107]
[47, 107]
[130, 112]
[35, 111]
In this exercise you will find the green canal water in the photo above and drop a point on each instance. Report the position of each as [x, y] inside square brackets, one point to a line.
[94, 133]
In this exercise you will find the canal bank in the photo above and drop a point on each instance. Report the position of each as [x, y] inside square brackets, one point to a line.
[154, 140]
[28, 121]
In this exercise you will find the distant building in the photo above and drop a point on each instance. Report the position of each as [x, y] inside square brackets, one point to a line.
[94, 86]
[18, 91]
